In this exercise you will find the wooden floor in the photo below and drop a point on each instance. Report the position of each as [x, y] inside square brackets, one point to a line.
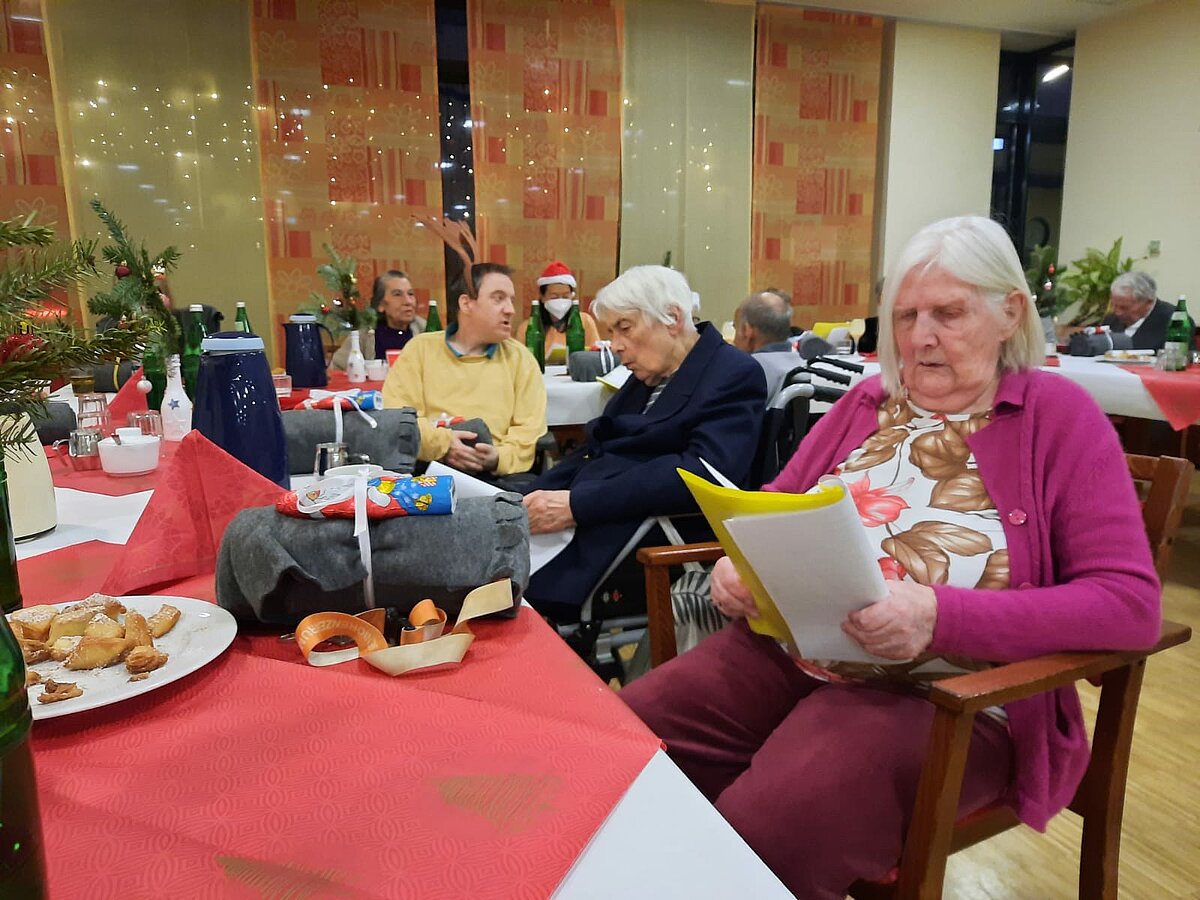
[1160, 848]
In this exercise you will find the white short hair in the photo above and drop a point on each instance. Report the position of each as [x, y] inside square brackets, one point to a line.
[649, 291]
[980, 253]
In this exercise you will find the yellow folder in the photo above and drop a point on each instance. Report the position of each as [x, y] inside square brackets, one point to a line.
[721, 503]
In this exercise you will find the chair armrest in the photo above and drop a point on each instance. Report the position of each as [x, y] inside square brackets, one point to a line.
[1028, 677]
[677, 556]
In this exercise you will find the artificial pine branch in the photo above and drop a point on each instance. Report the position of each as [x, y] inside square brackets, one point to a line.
[33, 350]
[135, 294]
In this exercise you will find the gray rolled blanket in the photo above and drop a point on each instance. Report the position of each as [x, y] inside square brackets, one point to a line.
[393, 444]
[278, 569]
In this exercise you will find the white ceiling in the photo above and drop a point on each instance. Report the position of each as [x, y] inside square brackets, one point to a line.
[1026, 24]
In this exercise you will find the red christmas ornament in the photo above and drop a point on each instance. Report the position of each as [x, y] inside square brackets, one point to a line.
[324, 309]
[123, 270]
[18, 346]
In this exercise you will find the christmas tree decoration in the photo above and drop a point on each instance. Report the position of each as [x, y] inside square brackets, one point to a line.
[137, 293]
[344, 311]
[36, 348]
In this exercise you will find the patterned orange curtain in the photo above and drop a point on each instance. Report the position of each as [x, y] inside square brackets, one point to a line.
[31, 179]
[816, 111]
[348, 127]
[546, 105]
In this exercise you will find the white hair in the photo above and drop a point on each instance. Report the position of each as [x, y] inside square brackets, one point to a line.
[978, 252]
[1138, 284]
[648, 291]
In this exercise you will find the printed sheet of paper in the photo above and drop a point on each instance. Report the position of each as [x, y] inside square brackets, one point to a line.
[542, 547]
[805, 557]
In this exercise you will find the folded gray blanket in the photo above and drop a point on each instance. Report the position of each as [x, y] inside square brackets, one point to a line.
[588, 365]
[57, 423]
[278, 569]
[393, 444]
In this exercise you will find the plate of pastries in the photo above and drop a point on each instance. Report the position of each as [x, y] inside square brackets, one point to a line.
[101, 650]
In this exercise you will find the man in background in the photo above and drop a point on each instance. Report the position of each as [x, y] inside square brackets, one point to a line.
[763, 322]
[473, 370]
[1137, 312]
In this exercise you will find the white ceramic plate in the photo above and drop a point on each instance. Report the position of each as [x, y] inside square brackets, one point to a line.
[202, 633]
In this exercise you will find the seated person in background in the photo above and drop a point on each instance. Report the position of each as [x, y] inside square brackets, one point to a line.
[763, 323]
[473, 370]
[395, 303]
[556, 288]
[1137, 311]
[689, 395]
[980, 496]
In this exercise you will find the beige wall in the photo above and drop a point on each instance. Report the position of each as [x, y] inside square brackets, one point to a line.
[156, 105]
[1133, 151]
[938, 153]
[687, 148]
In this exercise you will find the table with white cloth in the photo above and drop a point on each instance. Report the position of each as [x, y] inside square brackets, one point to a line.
[660, 839]
[571, 402]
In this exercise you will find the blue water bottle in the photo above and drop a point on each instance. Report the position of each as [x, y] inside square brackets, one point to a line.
[236, 407]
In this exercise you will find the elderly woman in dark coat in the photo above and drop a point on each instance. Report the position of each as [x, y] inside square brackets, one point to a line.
[690, 396]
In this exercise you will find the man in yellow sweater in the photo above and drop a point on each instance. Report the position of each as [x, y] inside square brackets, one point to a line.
[474, 370]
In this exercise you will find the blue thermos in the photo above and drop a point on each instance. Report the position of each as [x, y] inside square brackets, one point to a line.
[305, 353]
[236, 407]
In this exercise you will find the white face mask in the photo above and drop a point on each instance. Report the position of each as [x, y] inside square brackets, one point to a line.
[558, 308]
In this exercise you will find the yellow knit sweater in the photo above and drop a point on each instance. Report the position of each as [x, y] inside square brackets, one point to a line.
[505, 390]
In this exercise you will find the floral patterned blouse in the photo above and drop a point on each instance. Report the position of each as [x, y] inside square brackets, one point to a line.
[919, 494]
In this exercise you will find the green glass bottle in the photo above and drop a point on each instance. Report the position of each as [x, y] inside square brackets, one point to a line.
[154, 367]
[241, 321]
[576, 339]
[1179, 336]
[535, 335]
[22, 866]
[433, 322]
[193, 337]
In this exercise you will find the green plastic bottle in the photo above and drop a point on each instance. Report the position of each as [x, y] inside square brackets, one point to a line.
[154, 367]
[193, 337]
[433, 322]
[241, 321]
[576, 339]
[22, 866]
[1179, 336]
[535, 335]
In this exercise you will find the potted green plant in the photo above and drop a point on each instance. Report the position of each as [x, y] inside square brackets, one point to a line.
[1086, 283]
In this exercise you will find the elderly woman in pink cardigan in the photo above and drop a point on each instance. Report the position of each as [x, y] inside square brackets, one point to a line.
[1004, 516]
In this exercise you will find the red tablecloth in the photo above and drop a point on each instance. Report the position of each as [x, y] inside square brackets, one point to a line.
[97, 481]
[1176, 393]
[482, 780]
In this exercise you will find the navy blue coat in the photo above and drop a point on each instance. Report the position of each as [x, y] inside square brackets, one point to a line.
[625, 471]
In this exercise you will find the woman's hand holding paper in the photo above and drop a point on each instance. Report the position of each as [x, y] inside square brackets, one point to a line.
[898, 627]
[730, 593]
[549, 511]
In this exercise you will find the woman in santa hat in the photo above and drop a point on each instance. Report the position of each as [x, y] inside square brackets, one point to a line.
[556, 288]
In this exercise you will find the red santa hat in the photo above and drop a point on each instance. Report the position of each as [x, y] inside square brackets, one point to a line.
[556, 273]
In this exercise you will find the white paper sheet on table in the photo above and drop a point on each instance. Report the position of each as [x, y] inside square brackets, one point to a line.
[817, 566]
[542, 547]
[86, 517]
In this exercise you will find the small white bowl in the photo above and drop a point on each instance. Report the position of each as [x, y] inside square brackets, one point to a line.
[137, 453]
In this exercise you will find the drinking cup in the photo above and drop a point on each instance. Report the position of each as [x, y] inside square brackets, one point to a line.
[329, 456]
[149, 422]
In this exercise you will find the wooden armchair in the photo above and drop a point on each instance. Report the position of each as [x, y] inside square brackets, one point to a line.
[933, 833]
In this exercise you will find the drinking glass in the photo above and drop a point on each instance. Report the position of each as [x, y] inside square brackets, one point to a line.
[856, 329]
[92, 412]
[83, 380]
[149, 422]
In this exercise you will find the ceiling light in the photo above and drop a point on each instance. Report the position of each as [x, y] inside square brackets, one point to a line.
[1057, 72]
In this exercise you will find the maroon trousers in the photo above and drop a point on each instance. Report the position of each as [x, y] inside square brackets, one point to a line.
[819, 779]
